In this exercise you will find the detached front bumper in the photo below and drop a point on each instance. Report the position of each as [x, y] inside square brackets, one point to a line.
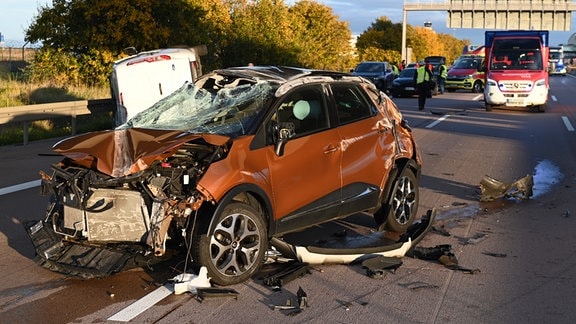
[318, 255]
[81, 260]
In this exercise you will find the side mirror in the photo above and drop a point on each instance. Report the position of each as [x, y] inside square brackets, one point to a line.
[282, 138]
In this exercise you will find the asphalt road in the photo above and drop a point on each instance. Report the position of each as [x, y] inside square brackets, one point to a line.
[522, 250]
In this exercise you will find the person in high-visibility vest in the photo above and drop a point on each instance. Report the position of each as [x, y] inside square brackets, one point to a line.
[442, 74]
[422, 79]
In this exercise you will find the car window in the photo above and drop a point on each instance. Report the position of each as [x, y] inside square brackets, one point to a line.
[302, 111]
[351, 104]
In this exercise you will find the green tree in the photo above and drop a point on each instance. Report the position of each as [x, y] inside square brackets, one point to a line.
[81, 25]
[260, 33]
[321, 40]
[383, 34]
[378, 54]
[452, 46]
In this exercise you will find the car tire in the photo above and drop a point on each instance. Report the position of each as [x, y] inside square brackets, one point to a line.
[402, 206]
[477, 87]
[233, 248]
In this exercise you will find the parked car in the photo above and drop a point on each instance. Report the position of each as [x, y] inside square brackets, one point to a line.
[224, 164]
[381, 73]
[403, 85]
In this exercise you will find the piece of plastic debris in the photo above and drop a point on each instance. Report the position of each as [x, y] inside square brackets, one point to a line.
[378, 266]
[302, 303]
[203, 293]
[431, 253]
[477, 238]
[443, 254]
[418, 285]
[440, 230]
[292, 271]
[302, 297]
[189, 282]
[494, 254]
[493, 189]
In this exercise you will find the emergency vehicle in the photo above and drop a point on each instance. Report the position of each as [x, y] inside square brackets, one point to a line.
[516, 69]
[556, 61]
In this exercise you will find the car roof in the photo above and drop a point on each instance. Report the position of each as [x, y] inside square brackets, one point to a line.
[285, 76]
[280, 74]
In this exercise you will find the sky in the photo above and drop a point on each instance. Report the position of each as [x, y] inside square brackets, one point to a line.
[17, 15]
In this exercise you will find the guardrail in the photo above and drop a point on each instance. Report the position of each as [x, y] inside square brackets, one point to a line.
[30, 113]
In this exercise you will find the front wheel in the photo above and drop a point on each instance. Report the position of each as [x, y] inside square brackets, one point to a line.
[234, 247]
[478, 87]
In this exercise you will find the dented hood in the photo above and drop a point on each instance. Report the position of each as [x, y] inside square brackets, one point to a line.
[121, 152]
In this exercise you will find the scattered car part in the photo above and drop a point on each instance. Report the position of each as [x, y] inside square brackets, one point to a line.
[378, 266]
[302, 298]
[317, 255]
[203, 293]
[431, 253]
[493, 189]
[443, 254]
[191, 282]
[418, 285]
[495, 254]
[291, 271]
[475, 239]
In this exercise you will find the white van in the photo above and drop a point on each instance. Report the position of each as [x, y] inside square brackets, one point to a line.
[140, 80]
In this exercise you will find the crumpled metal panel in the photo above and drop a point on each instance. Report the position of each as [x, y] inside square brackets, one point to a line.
[493, 189]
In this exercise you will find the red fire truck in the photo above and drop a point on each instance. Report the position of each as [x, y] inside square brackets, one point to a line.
[516, 69]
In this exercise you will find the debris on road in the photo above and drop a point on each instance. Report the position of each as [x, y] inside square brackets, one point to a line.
[203, 293]
[492, 189]
[288, 272]
[190, 282]
[418, 285]
[477, 238]
[302, 298]
[443, 254]
[494, 254]
[378, 266]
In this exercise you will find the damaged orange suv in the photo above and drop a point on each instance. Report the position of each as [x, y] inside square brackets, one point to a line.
[222, 166]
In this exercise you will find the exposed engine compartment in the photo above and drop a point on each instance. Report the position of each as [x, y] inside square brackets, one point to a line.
[119, 218]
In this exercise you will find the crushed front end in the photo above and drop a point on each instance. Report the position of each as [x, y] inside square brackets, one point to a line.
[97, 224]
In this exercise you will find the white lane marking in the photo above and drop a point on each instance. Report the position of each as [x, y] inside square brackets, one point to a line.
[567, 124]
[18, 187]
[553, 98]
[143, 304]
[478, 97]
[437, 121]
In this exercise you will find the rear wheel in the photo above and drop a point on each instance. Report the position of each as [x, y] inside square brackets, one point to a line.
[233, 248]
[488, 106]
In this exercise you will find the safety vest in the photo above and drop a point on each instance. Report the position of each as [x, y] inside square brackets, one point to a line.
[422, 75]
[444, 72]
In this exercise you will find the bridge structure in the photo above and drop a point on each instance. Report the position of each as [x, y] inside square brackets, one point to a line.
[552, 15]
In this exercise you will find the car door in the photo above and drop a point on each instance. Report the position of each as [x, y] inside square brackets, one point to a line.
[367, 147]
[305, 178]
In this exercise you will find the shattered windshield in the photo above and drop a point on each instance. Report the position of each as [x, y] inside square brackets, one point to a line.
[215, 106]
